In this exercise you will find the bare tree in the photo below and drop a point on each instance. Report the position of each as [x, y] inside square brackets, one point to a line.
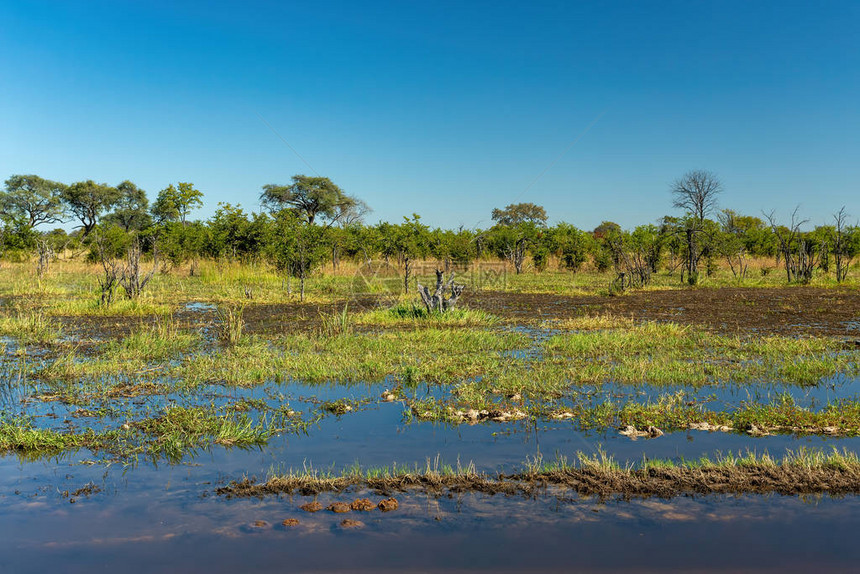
[798, 255]
[133, 279]
[128, 274]
[632, 268]
[437, 301]
[351, 213]
[696, 193]
[516, 253]
[841, 254]
[46, 253]
[731, 245]
[111, 272]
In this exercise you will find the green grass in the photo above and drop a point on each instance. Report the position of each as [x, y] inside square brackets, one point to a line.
[797, 472]
[467, 351]
[670, 412]
[21, 436]
[30, 326]
[414, 314]
[181, 429]
[591, 282]
[173, 434]
[89, 306]
[433, 354]
[801, 458]
[668, 353]
[232, 323]
[155, 342]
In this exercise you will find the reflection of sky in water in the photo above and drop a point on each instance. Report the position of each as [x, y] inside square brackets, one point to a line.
[155, 521]
[149, 518]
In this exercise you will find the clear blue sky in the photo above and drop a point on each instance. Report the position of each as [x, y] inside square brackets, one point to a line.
[447, 109]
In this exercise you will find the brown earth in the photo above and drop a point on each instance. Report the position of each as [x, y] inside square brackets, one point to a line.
[763, 478]
[778, 310]
[781, 310]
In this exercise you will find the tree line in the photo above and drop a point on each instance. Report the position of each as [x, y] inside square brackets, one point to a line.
[311, 222]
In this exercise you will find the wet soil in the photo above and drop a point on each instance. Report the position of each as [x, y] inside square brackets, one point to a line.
[781, 310]
[661, 482]
[777, 310]
[259, 319]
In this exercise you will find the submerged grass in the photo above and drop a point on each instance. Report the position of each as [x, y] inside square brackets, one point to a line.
[180, 429]
[669, 413]
[171, 435]
[484, 367]
[30, 326]
[668, 353]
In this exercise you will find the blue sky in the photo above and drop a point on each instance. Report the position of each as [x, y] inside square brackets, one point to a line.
[443, 109]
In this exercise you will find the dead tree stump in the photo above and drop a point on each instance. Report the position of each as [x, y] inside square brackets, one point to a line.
[437, 300]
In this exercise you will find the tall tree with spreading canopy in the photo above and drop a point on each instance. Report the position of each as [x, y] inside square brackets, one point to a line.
[30, 200]
[517, 213]
[132, 208]
[88, 200]
[313, 198]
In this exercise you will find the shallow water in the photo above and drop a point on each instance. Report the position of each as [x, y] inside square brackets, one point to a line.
[167, 516]
[154, 517]
[167, 519]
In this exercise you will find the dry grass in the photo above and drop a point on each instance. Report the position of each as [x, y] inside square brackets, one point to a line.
[799, 472]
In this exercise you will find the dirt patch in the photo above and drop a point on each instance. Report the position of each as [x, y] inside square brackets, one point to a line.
[339, 507]
[362, 504]
[298, 317]
[311, 506]
[783, 310]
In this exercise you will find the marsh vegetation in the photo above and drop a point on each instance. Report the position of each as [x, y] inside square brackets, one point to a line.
[310, 366]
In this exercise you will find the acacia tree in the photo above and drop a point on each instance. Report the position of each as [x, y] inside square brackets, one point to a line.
[88, 200]
[131, 211]
[30, 200]
[696, 193]
[516, 213]
[313, 198]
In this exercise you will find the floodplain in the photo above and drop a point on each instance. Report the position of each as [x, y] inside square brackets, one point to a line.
[217, 423]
